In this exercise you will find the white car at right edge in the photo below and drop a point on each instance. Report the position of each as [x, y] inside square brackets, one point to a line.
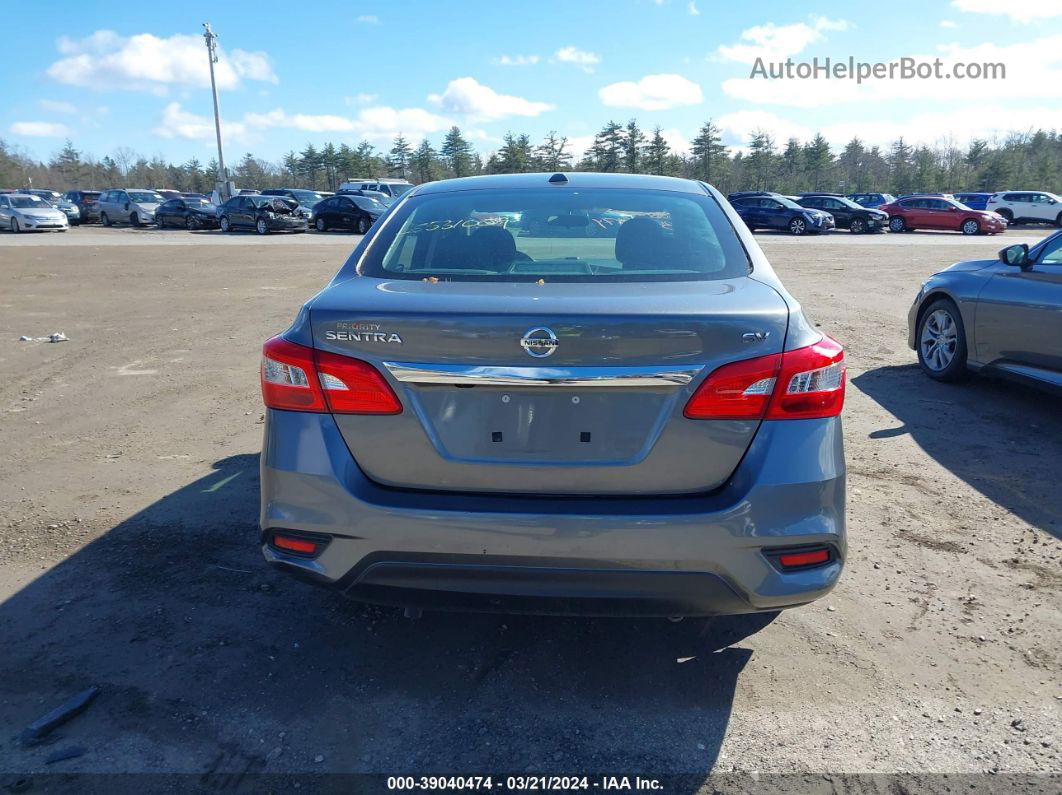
[1027, 206]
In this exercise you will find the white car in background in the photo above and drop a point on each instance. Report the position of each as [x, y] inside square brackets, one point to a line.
[24, 212]
[1029, 206]
[135, 206]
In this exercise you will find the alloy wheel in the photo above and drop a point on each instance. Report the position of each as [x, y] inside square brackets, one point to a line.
[938, 339]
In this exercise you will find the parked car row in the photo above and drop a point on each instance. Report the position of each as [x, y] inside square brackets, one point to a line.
[815, 213]
[355, 207]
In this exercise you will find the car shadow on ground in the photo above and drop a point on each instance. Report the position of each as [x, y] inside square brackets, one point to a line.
[212, 664]
[1003, 439]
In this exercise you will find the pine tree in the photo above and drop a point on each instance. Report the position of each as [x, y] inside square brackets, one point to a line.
[818, 161]
[310, 164]
[457, 153]
[423, 162]
[398, 160]
[761, 159]
[656, 153]
[68, 164]
[515, 155]
[607, 150]
[707, 149]
[291, 165]
[633, 142]
[330, 163]
[553, 154]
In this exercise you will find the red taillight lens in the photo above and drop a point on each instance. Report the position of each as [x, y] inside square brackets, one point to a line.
[800, 560]
[297, 545]
[297, 378]
[811, 382]
[738, 391]
[288, 378]
[352, 386]
[801, 384]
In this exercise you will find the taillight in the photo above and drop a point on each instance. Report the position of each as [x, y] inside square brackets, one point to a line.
[352, 386]
[297, 378]
[811, 382]
[738, 391]
[288, 377]
[801, 384]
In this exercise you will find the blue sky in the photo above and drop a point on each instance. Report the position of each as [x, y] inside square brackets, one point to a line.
[134, 75]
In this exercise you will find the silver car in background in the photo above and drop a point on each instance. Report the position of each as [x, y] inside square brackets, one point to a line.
[475, 414]
[59, 202]
[1000, 316]
[135, 206]
[24, 212]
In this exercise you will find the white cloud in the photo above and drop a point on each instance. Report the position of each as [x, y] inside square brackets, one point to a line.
[40, 129]
[948, 23]
[58, 107]
[581, 58]
[368, 19]
[468, 97]
[1024, 11]
[145, 62]
[652, 92]
[694, 11]
[676, 140]
[738, 127]
[1033, 71]
[383, 123]
[777, 42]
[517, 60]
[179, 123]
[299, 121]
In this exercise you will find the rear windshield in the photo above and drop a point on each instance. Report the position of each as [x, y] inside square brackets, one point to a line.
[558, 234]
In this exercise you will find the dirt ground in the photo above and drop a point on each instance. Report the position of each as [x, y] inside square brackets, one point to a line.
[129, 561]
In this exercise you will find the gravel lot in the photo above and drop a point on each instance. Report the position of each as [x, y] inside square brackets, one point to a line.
[129, 560]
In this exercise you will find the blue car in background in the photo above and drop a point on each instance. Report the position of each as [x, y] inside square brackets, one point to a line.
[765, 210]
[871, 200]
[975, 201]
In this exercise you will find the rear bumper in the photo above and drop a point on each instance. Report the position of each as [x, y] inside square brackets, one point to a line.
[690, 555]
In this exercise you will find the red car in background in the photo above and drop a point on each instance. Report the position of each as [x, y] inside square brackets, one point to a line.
[934, 212]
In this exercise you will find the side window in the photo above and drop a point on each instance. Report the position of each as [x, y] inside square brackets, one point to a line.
[3, 201]
[346, 204]
[1052, 253]
[833, 204]
[770, 204]
[811, 202]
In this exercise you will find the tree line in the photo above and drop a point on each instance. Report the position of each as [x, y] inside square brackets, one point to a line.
[1031, 160]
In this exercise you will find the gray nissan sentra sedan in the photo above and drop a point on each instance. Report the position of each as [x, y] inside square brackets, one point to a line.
[577, 393]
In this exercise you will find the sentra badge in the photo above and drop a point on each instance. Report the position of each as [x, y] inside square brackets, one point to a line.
[357, 331]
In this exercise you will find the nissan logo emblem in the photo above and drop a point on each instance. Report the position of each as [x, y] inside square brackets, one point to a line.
[539, 342]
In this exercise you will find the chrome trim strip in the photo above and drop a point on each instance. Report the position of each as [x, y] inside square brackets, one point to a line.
[464, 375]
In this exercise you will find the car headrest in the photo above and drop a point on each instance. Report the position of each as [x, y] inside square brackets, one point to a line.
[639, 242]
[491, 247]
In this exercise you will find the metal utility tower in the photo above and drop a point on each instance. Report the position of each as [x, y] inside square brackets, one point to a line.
[212, 53]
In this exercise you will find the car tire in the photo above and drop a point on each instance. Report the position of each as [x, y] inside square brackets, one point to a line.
[160, 222]
[225, 225]
[858, 226]
[15, 228]
[798, 226]
[105, 219]
[363, 226]
[134, 219]
[970, 227]
[191, 224]
[320, 224]
[261, 227]
[897, 224]
[1008, 216]
[940, 340]
[1058, 220]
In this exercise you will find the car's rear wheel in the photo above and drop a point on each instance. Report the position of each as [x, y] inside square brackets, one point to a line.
[858, 226]
[971, 227]
[225, 225]
[261, 227]
[942, 342]
[104, 219]
[321, 225]
[1008, 216]
[897, 225]
[363, 226]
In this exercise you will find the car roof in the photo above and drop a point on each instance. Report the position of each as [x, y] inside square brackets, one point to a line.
[575, 179]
